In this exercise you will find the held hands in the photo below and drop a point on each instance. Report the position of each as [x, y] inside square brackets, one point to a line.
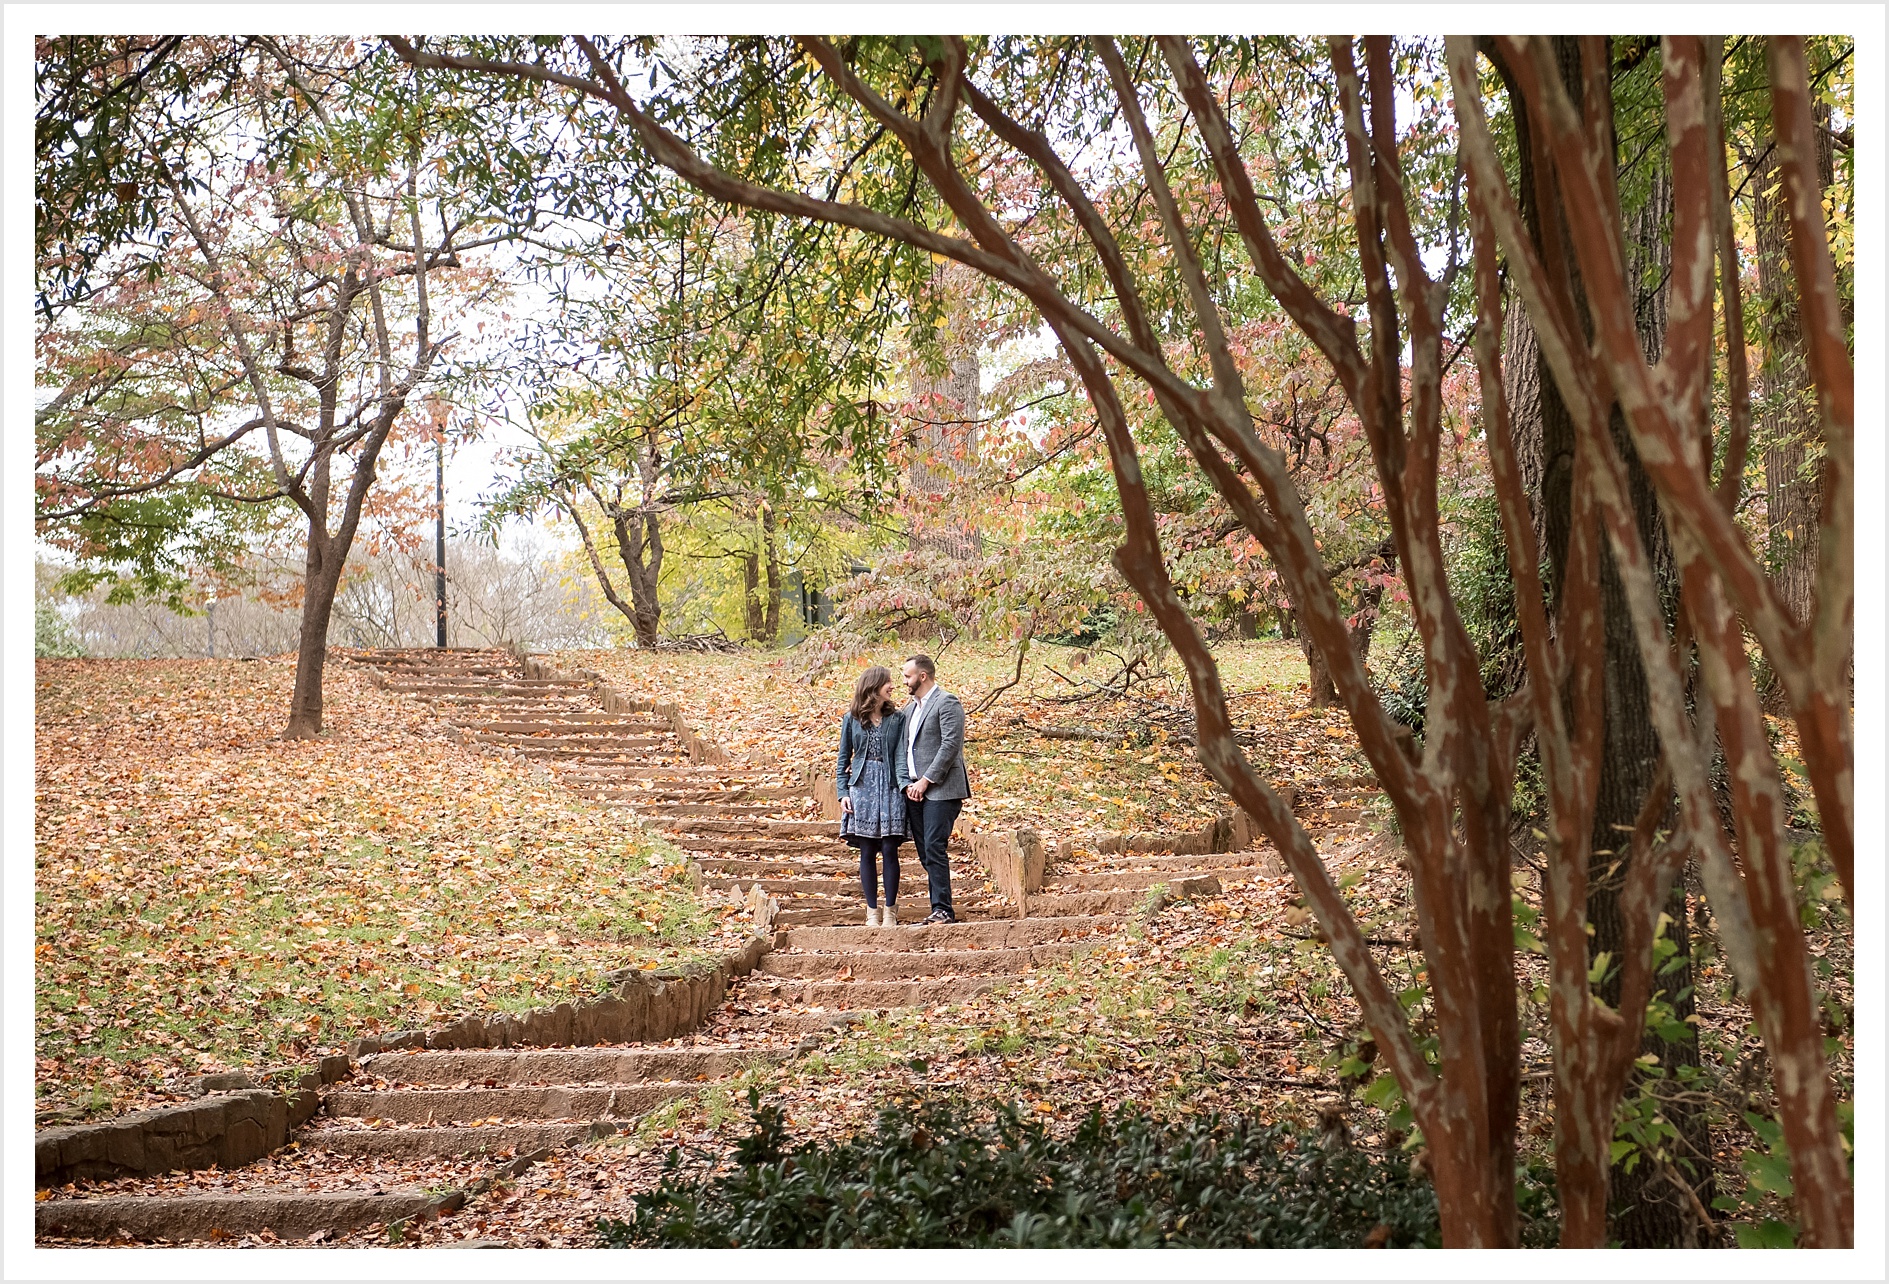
[916, 790]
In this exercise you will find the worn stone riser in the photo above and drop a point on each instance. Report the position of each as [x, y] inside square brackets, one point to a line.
[656, 793]
[747, 870]
[899, 965]
[515, 687]
[288, 1214]
[552, 757]
[560, 1065]
[539, 746]
[678, 772]
[594, 728]
[460, 1105]
[1050, 904]
[762, 828]
[837, 884]
[226, 1129]
[785, 848]
[843, 913]
[878, 994]
[1140, 880]
[711, 811]
[795, 1023]
[413, 1143]
[1214, 863]
[998, 934]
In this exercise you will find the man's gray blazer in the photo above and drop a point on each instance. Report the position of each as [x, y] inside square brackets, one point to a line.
[938, 747]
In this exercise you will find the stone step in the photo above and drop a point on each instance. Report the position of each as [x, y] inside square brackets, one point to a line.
[1139, 880]
[766, 847]
[729, 810]
[463, 1105]
[761, 828]
[895, 965]
[737, 867]
[678, 772]
[794, 1023]
[573, 724]
[562, 1065]
[575, 744]
[553, 756]
[998, 934]
[285, 1212]
[876, 994]
[803, 886]
[1254, 857]
[848, 913]
[468, 1139]
[684, 792]
[510, 686]
[1057, 905]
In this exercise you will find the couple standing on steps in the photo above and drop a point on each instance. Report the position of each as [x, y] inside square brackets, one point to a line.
[901, 771]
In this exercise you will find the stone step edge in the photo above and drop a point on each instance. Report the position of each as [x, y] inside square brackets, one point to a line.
[233, 1129]
[432, 1208]
[231, 1123]
[645, 1007]
[616, 700]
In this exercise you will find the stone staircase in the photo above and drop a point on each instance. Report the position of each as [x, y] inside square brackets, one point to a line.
[438, 1116]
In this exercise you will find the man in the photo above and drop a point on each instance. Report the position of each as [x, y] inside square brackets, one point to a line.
[934, 742]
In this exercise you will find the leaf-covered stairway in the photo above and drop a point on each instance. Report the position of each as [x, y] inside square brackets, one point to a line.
[428, 1129]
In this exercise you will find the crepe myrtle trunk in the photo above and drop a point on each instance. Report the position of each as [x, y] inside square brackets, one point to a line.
[1647, 1210]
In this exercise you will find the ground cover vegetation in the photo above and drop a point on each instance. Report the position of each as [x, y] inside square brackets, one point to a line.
[1119, 1181]
[1502, 384]
[212, 899]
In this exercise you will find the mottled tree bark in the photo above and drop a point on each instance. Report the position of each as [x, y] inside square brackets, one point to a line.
[1646, 1211]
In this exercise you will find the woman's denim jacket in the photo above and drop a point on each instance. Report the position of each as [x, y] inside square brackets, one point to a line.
[852, 763]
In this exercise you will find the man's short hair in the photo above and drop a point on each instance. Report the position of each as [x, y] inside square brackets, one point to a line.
[923, 661]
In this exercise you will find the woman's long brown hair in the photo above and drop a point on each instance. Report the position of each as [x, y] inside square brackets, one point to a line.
[866, 694]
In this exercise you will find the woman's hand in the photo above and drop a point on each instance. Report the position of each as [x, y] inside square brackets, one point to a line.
[846, 806]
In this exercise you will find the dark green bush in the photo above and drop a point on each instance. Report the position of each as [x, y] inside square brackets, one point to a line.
[923, 1177]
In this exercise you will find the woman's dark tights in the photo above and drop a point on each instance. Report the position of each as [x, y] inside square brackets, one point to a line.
[871, 852]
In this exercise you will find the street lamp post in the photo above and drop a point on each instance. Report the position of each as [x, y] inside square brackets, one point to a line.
[439, 540]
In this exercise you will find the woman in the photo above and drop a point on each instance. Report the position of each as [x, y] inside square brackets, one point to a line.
[872, 777]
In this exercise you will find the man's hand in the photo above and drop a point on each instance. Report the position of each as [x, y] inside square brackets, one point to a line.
[916, 790]
[846, 806]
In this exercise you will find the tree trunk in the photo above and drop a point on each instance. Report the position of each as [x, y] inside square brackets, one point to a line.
[639, 543]
[1787, 401]
[752, 606]
[770, 544]
[1324, 691]
[320, 581]
[1646, 1211]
